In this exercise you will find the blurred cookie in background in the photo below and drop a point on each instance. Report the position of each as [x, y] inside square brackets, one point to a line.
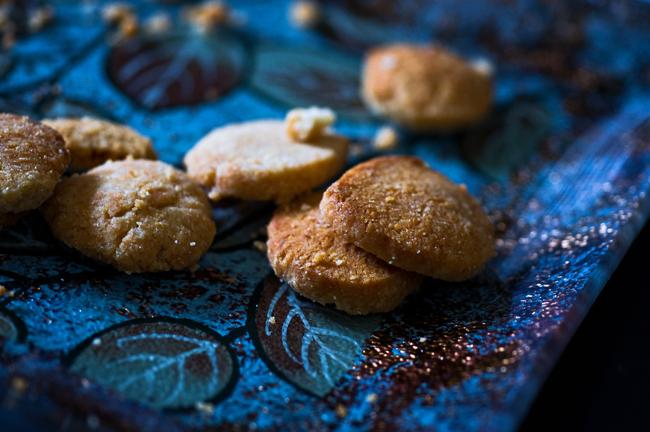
[426, 87]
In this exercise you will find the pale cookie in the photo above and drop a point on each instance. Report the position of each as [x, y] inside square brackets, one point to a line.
[258, 161]
[92, 142]
[398, 209]
[425, 87]
[315, 261]
[32, 159]
[137, 215]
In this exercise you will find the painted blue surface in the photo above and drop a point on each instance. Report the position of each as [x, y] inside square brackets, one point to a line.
[562, 165]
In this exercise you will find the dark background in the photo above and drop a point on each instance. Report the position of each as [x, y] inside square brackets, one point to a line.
[601, 381]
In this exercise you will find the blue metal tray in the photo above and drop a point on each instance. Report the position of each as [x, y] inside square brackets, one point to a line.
[562, 165]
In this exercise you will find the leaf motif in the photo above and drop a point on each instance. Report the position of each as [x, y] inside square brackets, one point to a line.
[309, 345]
[508, 140]
[299, 77]
[177, 69]
[163, 363]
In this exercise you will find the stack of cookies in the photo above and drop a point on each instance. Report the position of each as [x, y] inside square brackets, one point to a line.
[368, 241]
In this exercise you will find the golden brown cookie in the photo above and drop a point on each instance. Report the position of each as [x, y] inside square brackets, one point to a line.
[316, 261]
[32, 159]
[398, 209]
[137, 215]
[258, 161]
[92, 142]
[425, 87]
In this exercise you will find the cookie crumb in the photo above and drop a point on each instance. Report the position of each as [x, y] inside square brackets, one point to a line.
[304, 14]
[208, 16]
[158, 23]
[260, 245]
[307, 124]
[341, 411]
[385, 139]
[40, 18]
[113, 13]
[3, 290]
[205, 408]
[129, 27]
[272, 320]
[483, 66]
[19, 385]
[371, 398]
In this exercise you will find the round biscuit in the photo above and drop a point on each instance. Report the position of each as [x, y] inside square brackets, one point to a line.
[315, 261]
[32, 159]
[425, 87]
[258, 161]
[92, 142]
[137, 215]
[398, 209]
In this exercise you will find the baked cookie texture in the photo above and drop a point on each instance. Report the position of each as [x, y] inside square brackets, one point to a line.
[92, 142]
[315, 261]
[32, 159]
[257, 160]
[137, 215]
[398, 209]
[425, 87]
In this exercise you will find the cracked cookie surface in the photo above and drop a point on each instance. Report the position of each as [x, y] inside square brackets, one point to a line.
[32, 159]
[92, 142]
[137, 215]
[400, 210]
[257, 160]
[315, 261]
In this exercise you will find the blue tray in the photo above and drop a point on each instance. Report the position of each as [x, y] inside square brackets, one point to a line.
[562, 165]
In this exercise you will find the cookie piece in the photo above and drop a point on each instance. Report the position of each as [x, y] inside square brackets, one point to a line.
[92, 142]
[315, 261]
[398, 209]
[258, 161]
[32, 159]
[425, 87]
[137, 215]
[307, 124]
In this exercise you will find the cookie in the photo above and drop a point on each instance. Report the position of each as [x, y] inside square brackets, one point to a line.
[398, 209]
[257, 160]
[315, 261]
[92, 142]
[137, 215]
[32, 159]
[425, 87]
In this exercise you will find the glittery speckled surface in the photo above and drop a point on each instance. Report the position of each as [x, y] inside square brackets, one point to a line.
[562, 165]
